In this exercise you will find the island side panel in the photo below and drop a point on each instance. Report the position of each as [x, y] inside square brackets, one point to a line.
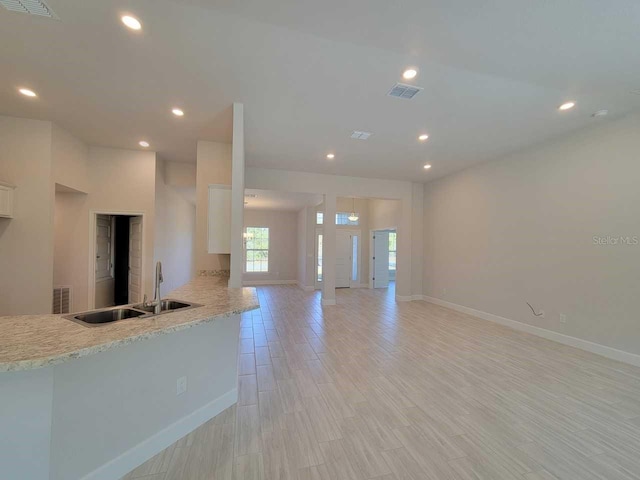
[114, 410]
[26, 400]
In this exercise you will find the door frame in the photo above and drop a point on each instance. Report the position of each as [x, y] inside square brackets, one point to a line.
[352, 284]
[371, 247]
[93, 216]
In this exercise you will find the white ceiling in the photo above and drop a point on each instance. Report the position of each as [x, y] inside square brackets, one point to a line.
[311, 72]
[274, 200]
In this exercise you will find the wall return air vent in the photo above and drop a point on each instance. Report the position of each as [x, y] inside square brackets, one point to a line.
[31, 7]
[402, 90]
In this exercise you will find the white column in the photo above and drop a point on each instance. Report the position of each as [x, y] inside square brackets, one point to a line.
[329, 251]
[237, 196]
[403, 273]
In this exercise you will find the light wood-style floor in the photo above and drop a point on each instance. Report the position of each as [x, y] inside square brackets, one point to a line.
[375, 389]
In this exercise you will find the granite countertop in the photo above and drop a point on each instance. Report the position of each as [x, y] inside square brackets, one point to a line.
[34, 341]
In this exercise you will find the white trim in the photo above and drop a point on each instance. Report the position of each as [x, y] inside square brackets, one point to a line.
[612, 353]
[326, 303]
[252, 283]
[306, 288]
[91, 301]
[404, 298]
[132, 458]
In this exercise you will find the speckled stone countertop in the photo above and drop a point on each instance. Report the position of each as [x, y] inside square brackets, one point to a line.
[34, 341]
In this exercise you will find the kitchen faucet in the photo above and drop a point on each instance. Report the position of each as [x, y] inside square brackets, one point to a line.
[157, 299]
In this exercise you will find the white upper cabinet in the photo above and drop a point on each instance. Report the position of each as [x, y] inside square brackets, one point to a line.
[6, 200]
[219, 219]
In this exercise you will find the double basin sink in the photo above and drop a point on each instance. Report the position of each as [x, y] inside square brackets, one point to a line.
[100, 317]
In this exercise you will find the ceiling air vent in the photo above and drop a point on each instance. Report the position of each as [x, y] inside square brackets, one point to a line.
[402, 90]
[361, 135]
[32, 7]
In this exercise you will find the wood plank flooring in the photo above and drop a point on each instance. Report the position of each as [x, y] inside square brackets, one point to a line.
[371, 388]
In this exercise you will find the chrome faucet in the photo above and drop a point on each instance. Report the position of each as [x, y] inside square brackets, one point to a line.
[157, 299]
[159, 279]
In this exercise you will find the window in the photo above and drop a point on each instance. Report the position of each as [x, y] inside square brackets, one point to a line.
[256, 241]
[392, 250]
[342, 218]
[319, 258]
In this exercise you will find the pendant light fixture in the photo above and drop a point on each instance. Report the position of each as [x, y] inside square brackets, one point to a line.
[353, 217]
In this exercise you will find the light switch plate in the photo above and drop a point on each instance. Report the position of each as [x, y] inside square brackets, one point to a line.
[181, 385]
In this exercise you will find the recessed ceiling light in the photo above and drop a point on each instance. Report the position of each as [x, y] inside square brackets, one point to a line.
[567, 106]
[177, 112]
[423, 137]
[131, 22]
[410, 73]
[331, 156]
[27, 93]
[143, 144]
[427, 166]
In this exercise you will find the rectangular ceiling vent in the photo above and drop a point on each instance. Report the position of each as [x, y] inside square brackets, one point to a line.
[402, 90]
[31, 7]
[361, 135]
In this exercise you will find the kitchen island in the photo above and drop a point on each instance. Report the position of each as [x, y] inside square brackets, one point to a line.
[94, 402]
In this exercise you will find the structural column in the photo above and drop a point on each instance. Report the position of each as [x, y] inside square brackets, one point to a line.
[329, 251]
[237, 196]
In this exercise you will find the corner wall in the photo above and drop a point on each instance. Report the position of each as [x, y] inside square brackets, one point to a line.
[213, 167]
[541, 227]
[26, 241]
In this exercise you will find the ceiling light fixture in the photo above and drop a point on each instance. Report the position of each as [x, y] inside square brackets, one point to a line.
[353, 217]
[410, 73]
[427, 166]
[423, 137]
[331, 156]
[567, 106]
[27, 93]
[143, 144]
[131, 22]
[177, 112]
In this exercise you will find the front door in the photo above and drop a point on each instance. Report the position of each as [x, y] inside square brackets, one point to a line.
[380, 259]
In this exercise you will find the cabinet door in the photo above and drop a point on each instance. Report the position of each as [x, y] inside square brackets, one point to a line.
[6, 201]
[219, 219]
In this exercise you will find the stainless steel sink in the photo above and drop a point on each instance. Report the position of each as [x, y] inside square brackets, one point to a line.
[99, 317]
[167, 305]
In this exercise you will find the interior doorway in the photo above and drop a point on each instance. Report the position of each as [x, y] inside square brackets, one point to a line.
[348, 254]
[117, 260]
[383, 258]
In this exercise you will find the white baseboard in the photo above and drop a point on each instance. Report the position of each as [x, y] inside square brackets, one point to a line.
[409, 298]
[328, 302]
[257, 283]
[306, 288]
[123, 464]
[612, 353]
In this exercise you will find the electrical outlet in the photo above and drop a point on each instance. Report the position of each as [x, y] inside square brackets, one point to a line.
[181, 385]
[444, 291]
[563, 318]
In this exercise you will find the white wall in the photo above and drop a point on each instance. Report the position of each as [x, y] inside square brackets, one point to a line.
[69, 160]
[302, 228]
[384, 214]
[26, 241]
[213, 167]
[522, 230]
[174, 230]
[124, 181]
[283, 244]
